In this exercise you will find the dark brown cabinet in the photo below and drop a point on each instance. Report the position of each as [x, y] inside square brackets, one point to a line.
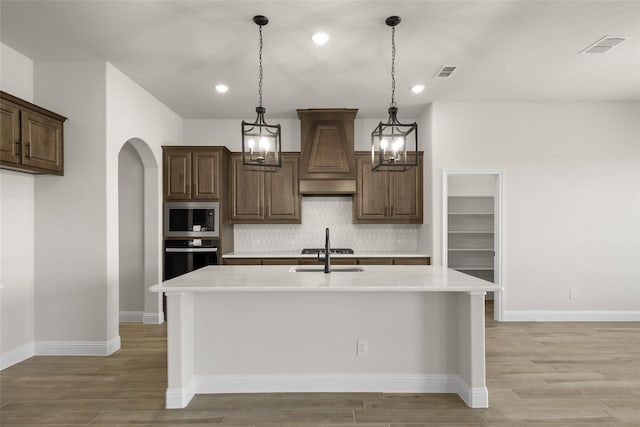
[387, 197]
[265, 197]
[192, 174]
[414, 260]
[31, 138]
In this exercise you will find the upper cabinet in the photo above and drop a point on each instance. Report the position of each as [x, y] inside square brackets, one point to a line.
[265, 197]
[385, 196]
[31, 138]
[192, 173]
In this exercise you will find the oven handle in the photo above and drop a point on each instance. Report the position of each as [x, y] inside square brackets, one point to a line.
[175, 250]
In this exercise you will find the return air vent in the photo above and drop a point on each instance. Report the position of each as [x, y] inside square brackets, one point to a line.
[604, 44]
[445, 71]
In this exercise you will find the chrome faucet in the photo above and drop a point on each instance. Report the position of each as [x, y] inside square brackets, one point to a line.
[327, 253]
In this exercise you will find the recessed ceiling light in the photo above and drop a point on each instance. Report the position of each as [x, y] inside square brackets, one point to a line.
[222, 88]
[417, 88]
[320, 38]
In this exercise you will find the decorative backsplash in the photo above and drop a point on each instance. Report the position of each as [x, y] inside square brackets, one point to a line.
[317, 214]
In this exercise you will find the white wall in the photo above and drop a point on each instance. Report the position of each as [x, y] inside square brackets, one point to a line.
[16, 73]
[70, 210]
[17, 253]
[135, 115]
[131, 233]
[571, 198]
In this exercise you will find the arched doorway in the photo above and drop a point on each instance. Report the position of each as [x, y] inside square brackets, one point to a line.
[138, 219]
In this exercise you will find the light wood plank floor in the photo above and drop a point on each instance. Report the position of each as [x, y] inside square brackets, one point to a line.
[549, 374]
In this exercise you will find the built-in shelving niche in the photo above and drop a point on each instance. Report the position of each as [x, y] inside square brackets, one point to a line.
[471, 235]
[472, 226]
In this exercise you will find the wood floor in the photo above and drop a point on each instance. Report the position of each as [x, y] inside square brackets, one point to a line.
[544, 374]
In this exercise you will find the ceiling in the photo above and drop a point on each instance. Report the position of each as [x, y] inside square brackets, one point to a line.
[179, 50]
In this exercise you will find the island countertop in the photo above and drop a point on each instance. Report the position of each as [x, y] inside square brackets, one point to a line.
[372, 278]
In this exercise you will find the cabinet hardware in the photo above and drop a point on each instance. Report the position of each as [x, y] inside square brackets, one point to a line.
[18, 148]
[28, 150]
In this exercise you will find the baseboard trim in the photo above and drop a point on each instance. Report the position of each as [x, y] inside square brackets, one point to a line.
[77, 348]
[571, 316]
[177, 398]
[153, 318]
[326, 383]
[132, 316]
[474, 397]
[17, 355]
[385, 383]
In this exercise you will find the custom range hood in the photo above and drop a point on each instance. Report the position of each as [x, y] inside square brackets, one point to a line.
[327, 162]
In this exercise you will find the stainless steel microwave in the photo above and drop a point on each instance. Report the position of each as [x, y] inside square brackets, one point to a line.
[192, 219]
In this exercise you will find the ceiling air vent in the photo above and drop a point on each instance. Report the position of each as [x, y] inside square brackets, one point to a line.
[445, 71]
[604, 44]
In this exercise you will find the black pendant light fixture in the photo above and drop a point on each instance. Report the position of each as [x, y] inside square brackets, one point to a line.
[394, 145]
[261, 144]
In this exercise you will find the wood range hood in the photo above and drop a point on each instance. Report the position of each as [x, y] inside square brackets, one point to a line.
[327, 162]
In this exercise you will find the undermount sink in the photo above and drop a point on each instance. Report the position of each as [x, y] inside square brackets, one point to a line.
[321, 269]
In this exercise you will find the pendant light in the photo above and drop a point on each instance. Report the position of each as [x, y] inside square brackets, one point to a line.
[394, 145]
[261, 144]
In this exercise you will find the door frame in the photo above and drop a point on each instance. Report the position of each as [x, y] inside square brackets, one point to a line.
[498, 218]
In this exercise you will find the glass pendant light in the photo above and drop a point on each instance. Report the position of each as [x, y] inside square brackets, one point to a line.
[261, 144]
[394, 145]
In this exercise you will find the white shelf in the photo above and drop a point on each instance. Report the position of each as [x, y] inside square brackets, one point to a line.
[470, 250]
[472, 268]
[471, 213]
[470, 232]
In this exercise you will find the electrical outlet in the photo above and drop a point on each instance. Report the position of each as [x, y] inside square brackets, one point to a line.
[573, 293]
[362, 347]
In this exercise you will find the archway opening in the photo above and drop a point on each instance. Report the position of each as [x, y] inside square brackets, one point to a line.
[138, 219]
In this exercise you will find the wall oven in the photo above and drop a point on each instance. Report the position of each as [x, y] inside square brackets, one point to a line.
[192, 219]
[185, 255]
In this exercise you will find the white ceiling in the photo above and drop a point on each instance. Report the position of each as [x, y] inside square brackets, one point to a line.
[179, 50]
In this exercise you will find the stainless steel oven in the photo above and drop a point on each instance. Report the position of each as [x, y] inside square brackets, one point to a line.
[192, 219]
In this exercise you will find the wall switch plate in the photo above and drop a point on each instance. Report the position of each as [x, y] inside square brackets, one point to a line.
[362, 347]
[573, 293]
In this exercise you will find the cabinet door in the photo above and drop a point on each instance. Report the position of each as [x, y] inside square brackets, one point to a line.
[247, 193]
[281, 192]
[206, 172]
[412, 261]
[9, 133]
[375, 261]
[405, 195]
[41, 142]
[371, 198]
[177, 175]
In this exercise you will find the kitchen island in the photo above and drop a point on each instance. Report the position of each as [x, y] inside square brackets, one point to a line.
[234, 329]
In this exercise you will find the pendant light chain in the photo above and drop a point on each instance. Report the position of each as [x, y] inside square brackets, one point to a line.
[393, 66]
[260, 68]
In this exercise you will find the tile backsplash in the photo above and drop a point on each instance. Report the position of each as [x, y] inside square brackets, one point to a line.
[317, 214]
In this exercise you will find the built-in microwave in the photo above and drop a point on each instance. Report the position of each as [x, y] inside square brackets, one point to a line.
[191, 219]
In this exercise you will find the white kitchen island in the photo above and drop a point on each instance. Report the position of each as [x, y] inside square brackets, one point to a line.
[246, 329]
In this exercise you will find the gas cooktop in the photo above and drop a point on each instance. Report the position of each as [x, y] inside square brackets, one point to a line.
[337, 251]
